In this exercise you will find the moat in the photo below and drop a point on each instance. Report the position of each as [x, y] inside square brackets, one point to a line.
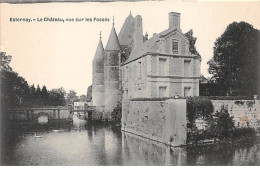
[83, 143]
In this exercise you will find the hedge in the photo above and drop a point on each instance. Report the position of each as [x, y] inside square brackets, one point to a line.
[202, 97]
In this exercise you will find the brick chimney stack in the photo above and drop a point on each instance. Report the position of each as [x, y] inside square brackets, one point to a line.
[174, 20]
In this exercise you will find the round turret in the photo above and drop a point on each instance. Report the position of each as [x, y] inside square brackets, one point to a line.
[111, 80]
[98, 76]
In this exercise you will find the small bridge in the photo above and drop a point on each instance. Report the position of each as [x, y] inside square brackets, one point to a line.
[87, 111]
[52, 112]
[33, 113]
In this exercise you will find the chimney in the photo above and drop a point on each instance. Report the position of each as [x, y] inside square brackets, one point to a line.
[138, 32]
[146, 36]
[174, 20]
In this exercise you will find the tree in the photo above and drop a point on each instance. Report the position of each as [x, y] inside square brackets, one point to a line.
[14, 89]
[45, 96]
[234, 66]
[38, 96]
[5, 60]
[71, 96]
[83, 97]
[89, 93]
[57, 97]
[192, 41]
[222, 124]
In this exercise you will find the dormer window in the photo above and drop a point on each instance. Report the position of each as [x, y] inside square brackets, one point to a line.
[175, 46]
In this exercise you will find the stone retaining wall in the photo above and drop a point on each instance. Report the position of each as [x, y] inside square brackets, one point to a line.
[162, 121]
[246, 113]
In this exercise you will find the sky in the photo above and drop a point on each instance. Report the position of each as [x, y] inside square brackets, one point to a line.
[58, 54]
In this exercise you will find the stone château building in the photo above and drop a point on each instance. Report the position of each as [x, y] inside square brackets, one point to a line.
[133, 66]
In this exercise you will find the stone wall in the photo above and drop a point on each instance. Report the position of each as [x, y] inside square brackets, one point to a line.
[162, 121]
[246, 113]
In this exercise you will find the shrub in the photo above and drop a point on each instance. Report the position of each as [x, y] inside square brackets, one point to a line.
[243, 133]
[222, 124]
[239, 102]
[198, 107]
[116, 113]
[156, 98]
[230, 97]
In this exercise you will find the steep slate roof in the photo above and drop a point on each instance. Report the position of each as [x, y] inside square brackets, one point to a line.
[113, 43]
[126, 30]
[99, 55]
[89, 94]
[151, 45]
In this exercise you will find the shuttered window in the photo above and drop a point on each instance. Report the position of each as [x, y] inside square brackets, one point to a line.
[175, 46]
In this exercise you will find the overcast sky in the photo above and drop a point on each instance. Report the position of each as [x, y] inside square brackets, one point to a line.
[59, 54]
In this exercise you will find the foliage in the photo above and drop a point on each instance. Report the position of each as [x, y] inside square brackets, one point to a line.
[14, 89]
[4, 61]
[239, 102]
[156, 98]
[250, 103]
[192, 41]
[221, 128]
[202, 97]
[210, 89]
[243, 133]
[222, 124]
[116, 113]
[72, 96]
[45, 96]
[83, 97]
[15, 92]
[194, 136]
[57, 97]
[234, 65]
[89, 93]
[198, 107]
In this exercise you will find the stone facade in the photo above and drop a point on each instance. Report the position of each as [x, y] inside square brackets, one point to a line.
[133, 66]
[162, 66]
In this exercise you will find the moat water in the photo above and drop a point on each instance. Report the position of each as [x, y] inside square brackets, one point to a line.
[81, 143]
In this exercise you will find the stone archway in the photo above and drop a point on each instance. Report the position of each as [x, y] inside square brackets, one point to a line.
[42, 117]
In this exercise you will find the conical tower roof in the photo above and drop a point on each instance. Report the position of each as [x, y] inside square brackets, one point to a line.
[99, 55]
[125, 35]
[113, 43]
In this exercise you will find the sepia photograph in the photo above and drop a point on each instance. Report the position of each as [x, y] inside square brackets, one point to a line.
[129, 83]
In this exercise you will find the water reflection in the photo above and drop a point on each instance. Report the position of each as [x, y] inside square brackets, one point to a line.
[82, 143]
[140, 151]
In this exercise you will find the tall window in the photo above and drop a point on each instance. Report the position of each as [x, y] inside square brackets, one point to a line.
[186, 68]
[162, 65]
[134, 72]
[186, 91]
[139, 70]
[126, 74]
[162, 91]
[130, 73]
[175, 46]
